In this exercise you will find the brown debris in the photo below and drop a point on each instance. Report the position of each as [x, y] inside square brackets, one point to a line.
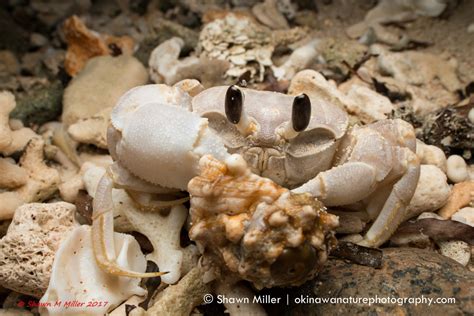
[365, 256]
[461, 195]
[436, 229]
[84, 206]
[84, 44]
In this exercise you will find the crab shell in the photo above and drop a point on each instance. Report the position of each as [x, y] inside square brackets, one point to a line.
[146, 117]
[155, 136]
[289, 162]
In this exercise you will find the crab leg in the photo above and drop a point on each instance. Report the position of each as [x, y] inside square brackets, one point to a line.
[103, 232]
[394, 208]
[378, 155]
[336, 186]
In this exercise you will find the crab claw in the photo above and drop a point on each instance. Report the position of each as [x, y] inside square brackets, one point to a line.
[103, 233]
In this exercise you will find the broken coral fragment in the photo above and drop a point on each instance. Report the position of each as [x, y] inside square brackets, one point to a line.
[77, 277]
[260, 231]
[92, 130]
[11, 139]
[299, 59]
[84, 44]
[166, 67]
[27, 251]
[162, 231]
[181, 298]
[246, 44]
[13, 176]
[41, 184]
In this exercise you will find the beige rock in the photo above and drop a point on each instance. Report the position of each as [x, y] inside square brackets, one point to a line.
[464, 215]
[418, 68]
[268, 14]
[461, 195]
[241, 293]
[431, 155]
[27, 251]
[432, 191]
[92, 130]
[457, 250]
[457, 169]
[367, 105]
[42, 181]
[99, 86]
[9, 63]
[189, 292]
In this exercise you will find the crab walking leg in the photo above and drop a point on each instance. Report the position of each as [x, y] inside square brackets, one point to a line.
[395, 206]
[103, 232]
[344, 184]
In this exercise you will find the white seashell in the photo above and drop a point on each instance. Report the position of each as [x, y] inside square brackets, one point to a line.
[77, 277]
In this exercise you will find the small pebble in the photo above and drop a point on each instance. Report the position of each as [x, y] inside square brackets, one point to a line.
[456, 169]
[38, 40]
[457, 250]
[464, 215]
[470, 171]
[431, 155]
[471, 115]
[470, 28]
[431, 193]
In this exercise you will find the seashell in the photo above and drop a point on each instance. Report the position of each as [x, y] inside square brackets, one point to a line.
[76, 276]
[255, 229]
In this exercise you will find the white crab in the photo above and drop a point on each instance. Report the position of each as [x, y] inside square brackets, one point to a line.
[159, 133]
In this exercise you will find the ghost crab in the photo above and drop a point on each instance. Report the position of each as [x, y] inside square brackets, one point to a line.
[159, 134]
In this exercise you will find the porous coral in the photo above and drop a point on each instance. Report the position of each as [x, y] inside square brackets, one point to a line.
[28, 249]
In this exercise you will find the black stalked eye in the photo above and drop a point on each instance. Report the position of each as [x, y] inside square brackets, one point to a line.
[233, 104]
[301, 113]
